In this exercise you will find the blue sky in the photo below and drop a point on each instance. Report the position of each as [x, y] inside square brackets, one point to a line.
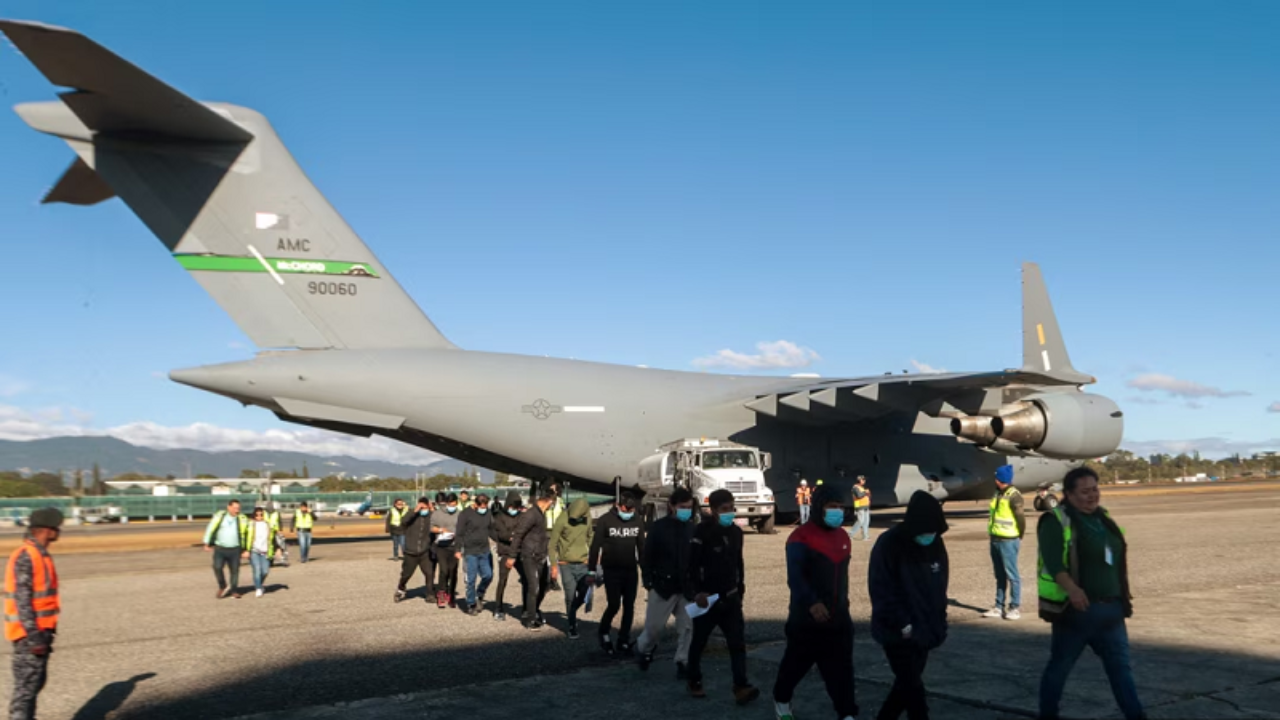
[656, 183]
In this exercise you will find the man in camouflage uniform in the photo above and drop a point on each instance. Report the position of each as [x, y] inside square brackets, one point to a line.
[31, 612]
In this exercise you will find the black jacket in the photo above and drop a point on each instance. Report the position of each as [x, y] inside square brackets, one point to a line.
[908, 581]
[715, 561]
[530, 536]
[473, 532]
[417, 533]
[622, 542]
[666, 556]
[501, 528]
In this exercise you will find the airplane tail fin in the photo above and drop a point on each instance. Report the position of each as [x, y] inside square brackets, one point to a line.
[1043, 350]
[216, 185]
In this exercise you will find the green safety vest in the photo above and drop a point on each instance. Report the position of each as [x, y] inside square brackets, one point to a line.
[1002, 523]
[273, 519]
[1053, 597]
[246, 536]
[396, 516]
[303, 521]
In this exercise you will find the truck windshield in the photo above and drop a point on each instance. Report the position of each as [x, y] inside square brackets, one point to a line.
[728, 459]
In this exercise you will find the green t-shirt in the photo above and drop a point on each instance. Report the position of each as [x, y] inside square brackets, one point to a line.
[1098, 578]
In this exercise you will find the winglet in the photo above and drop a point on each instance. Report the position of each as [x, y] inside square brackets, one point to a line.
[1043, 349]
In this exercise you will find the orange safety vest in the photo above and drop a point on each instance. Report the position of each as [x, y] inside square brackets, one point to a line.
[802, 495]
[44, 587]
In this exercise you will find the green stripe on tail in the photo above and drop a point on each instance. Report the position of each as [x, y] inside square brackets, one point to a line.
[295, 266]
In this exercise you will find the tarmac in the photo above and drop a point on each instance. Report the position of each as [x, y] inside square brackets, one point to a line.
[142, 635]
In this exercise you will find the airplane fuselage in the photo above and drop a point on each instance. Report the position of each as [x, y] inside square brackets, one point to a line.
[590, 422]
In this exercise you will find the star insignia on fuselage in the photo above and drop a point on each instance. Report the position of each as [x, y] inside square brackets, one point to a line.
[541, 409]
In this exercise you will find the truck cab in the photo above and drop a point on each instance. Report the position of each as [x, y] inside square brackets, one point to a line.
[703, 466]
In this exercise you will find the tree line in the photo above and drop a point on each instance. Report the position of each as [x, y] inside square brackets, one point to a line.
[1124, 465]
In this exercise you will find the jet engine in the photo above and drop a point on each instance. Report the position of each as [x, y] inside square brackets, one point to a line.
[1067, 426]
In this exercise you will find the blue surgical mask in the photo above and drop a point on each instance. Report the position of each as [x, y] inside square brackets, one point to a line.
[926, 539]
[626, 515]
[833, 517]
[684, 514]
[482, 510]
[424, 513]
[452, 508]
[726, 519]
[513, 512]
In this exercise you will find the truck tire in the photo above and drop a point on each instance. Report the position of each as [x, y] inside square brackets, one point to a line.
[1038, 503]
[766, 526]
[1050, 501]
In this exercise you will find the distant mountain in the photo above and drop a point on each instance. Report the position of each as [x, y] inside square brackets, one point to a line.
[116, 457]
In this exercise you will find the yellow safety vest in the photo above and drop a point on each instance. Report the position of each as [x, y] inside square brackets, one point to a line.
[246, 536]
[864, 501]
[1053, 597]
[396, 516]
[273, 519]
[1003, 524]
[304, 521]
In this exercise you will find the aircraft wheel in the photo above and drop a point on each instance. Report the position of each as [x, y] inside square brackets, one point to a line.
[1038, 503]
[1050, 502]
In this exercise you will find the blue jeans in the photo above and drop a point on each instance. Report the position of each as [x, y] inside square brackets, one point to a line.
[804, 513]
[261, 563]
[477, 565]
[1004, 558]
[861, 521]
[397, 546]
[304, 544]
[1102, 628]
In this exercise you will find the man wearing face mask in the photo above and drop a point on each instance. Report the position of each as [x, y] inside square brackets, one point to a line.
[716, 569]
[444, 523]
[417, 547]
[907, 580]
[617, 548]
[570, 547]
[500, 531]
[662, 570]
[530, 540]
[819, 628]
[473, 551]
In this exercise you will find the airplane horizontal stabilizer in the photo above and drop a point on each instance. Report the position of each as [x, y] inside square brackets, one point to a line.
[111, 95]
[79, 185]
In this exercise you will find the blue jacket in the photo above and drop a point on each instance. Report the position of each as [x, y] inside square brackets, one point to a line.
[818, 572]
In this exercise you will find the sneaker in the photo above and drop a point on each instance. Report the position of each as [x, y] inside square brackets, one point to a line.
[236, 595]
[995, 612]
[695, 689]
[541, 620]
[572, 634]
[625, 648]
[532, 625]
[223, 592]
[399, 595]
[1013, 614]
[258, 592]
[499, 616]
[645, 660]
[743, 694]
[441, 602]
[606, 646]
[782, 711]
[682, 671]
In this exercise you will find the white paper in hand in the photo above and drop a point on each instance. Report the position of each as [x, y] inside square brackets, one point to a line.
[694, 611]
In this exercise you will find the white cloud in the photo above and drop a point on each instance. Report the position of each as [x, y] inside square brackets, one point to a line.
[237, 345]
[925, 368]
[773, 355]
[1155, 382]
[1274, 407]
[19, 424]
[1210, 447]
[10, 386]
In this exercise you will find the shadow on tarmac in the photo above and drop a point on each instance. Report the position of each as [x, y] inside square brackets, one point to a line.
[990, 667]
[110, 698]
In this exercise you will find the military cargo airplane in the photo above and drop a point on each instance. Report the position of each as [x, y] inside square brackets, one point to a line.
[344, 348]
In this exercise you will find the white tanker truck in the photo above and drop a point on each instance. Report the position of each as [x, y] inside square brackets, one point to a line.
[703, 466]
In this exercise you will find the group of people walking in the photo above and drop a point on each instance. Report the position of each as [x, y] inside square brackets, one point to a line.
[231, 537]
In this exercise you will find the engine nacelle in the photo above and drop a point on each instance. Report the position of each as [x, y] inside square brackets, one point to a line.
[1067, 426]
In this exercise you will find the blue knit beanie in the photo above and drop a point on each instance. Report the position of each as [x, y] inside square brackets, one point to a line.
[1004, 474]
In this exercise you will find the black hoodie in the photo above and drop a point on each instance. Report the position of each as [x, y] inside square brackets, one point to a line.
[908, 581]
[622, 542]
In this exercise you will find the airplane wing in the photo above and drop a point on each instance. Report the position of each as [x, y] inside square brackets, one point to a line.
[1046, 366]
